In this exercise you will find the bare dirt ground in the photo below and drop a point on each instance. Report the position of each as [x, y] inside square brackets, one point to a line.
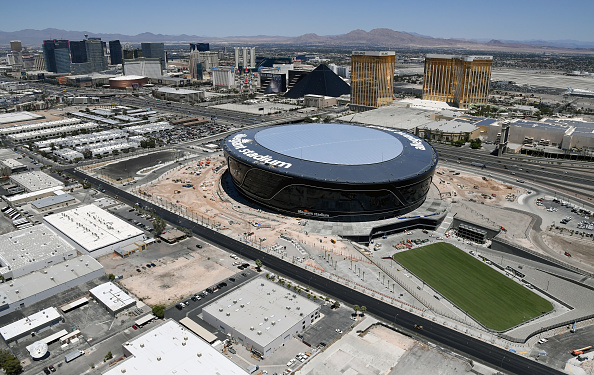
[482, 189]
[387, 335]
[580, 249]
[174, 278]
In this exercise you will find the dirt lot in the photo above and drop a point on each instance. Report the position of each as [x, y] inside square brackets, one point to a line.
[174, 278]
[476, 187]
[580, 248]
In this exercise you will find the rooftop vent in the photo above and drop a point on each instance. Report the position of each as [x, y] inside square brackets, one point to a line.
[199, 354]
[158, 358]
[259, 332]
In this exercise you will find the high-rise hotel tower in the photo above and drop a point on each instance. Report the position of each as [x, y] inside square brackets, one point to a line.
[372, 79]
[457, 80]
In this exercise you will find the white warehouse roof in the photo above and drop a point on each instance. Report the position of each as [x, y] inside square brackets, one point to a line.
[111, 296]
[35, 180]
[91, 227]
[30, 323]
[171, 349]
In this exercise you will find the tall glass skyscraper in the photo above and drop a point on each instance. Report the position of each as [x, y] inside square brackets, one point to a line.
[57, 56]
[154, 51]
[115, 52]
[457, 80]
[372, 79]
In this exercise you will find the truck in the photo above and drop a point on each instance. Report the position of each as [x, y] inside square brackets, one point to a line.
[581, 350]
[73, 355]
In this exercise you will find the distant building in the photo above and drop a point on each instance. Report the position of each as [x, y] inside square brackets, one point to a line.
[321, 81]
[132, 53]
[457, 80]
[16, 46]
[245, 57]
[151, 68]
[202, 61]
[155, 51]
[87, 56]
[223, 77]
[202, 47]
[372, 79]
[179, 95]
[115, 52]
[341, 71]
[57, 56]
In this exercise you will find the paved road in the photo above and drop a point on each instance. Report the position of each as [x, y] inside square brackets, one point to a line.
[468, 346]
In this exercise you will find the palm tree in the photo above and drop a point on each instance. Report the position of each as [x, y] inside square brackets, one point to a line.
[363, 310]
[258, 264]
[356, 308]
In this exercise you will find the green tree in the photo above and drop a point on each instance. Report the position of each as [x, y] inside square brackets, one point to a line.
[159, 311]
[356, 308]
[111, 276]
[108, 356]
[336, 304]
[258, 265]
[159, 225]
[10, 363]
[363, 310]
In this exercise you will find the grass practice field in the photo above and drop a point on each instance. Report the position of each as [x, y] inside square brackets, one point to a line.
[488, 296]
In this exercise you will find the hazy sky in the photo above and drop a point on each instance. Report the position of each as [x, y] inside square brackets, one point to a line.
[502, 19]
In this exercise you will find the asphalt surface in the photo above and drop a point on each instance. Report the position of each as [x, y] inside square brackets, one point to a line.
[456, 341]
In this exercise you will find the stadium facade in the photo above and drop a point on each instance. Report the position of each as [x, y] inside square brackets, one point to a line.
[338, 172]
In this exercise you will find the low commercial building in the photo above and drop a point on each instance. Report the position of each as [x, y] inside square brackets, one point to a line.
[93, 230]
[51, 132]
[393, 116]
[35, 181]
[28, 250]
[319, 101]
[24, 128]
[261, 315]
[179, 95]
[10, 166]
[54, 202]
[172, 349]
[31, 324]
[18, 199]
[112, 298]
[448, 131]
[68, 154]
[14, 117]
[149, 128]
[45, 283]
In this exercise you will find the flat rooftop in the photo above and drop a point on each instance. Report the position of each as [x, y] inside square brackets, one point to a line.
[29, 323]
[35, 180]
[40, 281]
[91, 227]
[9, 118]
[374, 53]
[35, 244]
[450, 126]
[262, 310]
[172, 349]
[394, 116]
[50, 201]
[112, 296]
[171, 90]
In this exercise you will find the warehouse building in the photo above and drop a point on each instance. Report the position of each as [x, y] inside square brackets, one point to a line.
[112, 298]
[53, 202]
[51, 132]
[35, 181]
[45, 283]
[448, 131]
[25, 128]
[30, 324]
[93, 230]
[172, 349]
[10, 166]
[28, 250]
[261, 315]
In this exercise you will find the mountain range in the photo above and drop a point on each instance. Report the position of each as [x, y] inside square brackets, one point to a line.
[376, 38]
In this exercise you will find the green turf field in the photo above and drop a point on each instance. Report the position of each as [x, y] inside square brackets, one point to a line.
[488, 296]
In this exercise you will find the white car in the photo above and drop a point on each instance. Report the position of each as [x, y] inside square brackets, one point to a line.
[338, 331]
[542, 341]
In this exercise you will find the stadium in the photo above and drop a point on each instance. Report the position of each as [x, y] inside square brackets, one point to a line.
[338, 172]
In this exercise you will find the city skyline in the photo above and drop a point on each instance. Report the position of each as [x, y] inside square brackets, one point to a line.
[520, 21]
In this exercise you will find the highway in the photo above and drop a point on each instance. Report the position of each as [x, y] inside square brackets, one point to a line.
[468, 346]
[576, 181]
